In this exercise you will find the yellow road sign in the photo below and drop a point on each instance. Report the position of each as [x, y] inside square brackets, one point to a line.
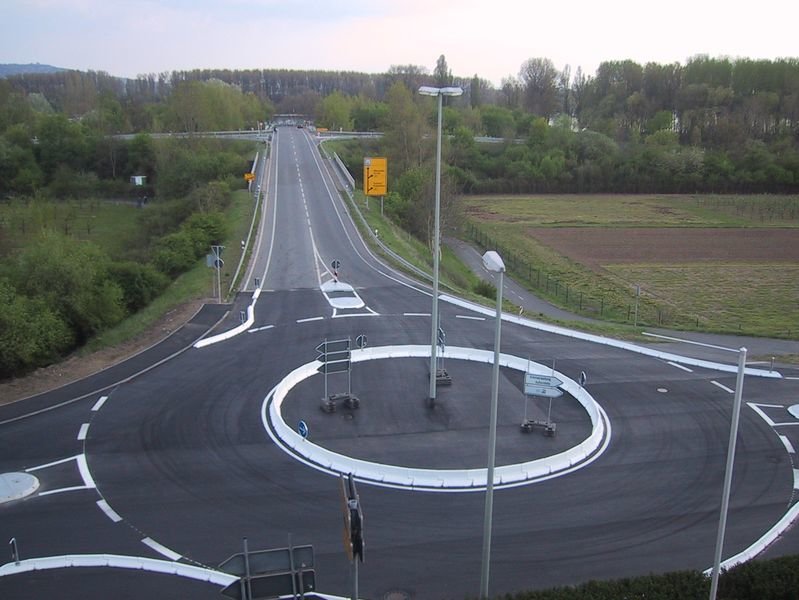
[375, 176]
[249, 176]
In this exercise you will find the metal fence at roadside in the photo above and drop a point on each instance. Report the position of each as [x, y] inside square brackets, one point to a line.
[644, 310]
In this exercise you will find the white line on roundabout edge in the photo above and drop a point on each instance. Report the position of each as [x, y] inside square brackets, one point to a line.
[436, 480]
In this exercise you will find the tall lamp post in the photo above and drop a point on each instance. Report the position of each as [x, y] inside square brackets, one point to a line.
[725, 494]
[439, 93]
[492, 262]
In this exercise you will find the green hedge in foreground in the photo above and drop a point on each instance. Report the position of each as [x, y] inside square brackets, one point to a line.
[776, 579]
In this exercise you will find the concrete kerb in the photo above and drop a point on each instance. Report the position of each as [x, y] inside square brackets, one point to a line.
[226, 335]
[598, 339]
[435, 479]
[120, 562]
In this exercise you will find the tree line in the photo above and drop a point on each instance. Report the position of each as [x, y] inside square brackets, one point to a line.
[711, 125]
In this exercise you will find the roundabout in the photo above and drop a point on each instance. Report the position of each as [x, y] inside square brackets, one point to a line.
[385, 474]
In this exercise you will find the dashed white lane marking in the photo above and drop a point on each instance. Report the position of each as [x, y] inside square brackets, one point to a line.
[796, 479]
[415, 314]
[679, 366]
[308, 320]
[84, 430]
[722, 386]
[257, 329]
[109, 512]
[99, 403]
[85, 474]
[788, 445]
[163, 550]
[470, 318]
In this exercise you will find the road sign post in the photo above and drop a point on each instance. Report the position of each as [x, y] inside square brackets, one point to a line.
[270, 573]
[353, 528]
[335, 356]
[544, 386]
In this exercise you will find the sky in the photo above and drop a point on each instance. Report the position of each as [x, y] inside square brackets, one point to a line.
[488, 38]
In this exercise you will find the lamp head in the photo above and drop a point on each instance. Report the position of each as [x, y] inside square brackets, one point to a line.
[493, 262]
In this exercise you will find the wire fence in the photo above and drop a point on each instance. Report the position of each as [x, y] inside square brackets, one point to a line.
[634, 306]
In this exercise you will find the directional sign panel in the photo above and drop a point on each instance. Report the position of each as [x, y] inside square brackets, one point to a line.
[546, 392]
[269, 561]
[374, 176]
[541, 380]
[330, 346]
[334, 367]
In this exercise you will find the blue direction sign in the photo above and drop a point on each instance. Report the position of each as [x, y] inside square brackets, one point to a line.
[302, 429]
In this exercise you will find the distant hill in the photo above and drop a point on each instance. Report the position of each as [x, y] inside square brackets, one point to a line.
[6, 70]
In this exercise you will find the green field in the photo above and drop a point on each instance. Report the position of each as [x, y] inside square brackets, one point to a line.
[734, 295]
[628, 210]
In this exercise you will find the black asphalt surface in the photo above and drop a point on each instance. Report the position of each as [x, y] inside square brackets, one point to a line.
[181, 455]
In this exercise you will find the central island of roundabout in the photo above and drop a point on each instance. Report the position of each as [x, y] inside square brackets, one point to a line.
[396, 439]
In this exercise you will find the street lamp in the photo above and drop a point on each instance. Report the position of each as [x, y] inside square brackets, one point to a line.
[439, 93]
[492, 262]
[725, 494]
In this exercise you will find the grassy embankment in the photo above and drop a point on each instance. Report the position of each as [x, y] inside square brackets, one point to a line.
[731, 295]
[110, 225]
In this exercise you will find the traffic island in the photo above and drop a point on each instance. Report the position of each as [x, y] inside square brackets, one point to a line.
[14, 486]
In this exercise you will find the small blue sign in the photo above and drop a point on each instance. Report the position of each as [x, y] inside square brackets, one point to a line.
[302, 428]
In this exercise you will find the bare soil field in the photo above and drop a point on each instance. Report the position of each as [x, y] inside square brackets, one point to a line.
[595, 247]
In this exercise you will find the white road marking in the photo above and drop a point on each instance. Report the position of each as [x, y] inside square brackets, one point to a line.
[99, 403]
[171, 554]
[796, 479]
[674, 339]
[763, 415]
[85, 474]
[722, 386]
[257, 329]
[415, 314]
[347, 315]
[308, 320]
[66, 489]
[52, 464]
[679, 366]
[84, 430]
[470, 318]
[110, 512]
[787, 443]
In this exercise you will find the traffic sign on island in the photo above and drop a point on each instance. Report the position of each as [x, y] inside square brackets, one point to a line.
[545, 392]
[541, 380]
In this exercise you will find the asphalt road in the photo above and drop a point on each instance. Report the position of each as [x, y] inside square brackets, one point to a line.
[176, 463]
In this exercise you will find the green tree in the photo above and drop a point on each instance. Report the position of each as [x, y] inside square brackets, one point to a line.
[404, 131]
[73, 280]
[31, 334]
[334, 112]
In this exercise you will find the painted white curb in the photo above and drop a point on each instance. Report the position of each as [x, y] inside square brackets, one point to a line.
[436, 479]
[120, 562]
[598, 339]
[236, 330]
